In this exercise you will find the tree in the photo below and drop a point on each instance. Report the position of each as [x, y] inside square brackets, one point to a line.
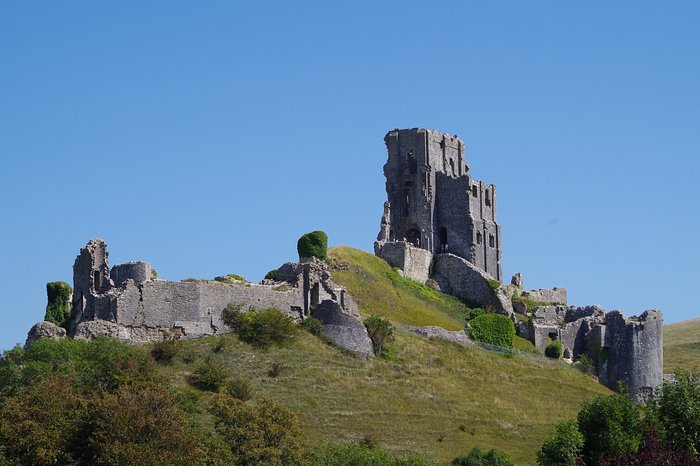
[678, 413]
[563, 448]
[610, 426]
[266, 433]
[58, 305]
[380, 331]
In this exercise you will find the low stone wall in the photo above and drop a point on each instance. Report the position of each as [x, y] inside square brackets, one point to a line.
[555, 295]
[440, 333]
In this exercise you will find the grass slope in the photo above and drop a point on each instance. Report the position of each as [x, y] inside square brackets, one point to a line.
[682, 346]
[438, 399]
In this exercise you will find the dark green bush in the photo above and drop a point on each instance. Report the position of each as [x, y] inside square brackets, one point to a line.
[271, 275]
[563, 448]
[164, 351]
[210, 375]
[474, 313]
[494, 329]
[314, 244]
[611, 425]
[315, 327]
[554, 350]
[380, 331]
[58, 306]
[677, 407]
[478, 458]
[261, 328]
[239, 389]
[363, 454]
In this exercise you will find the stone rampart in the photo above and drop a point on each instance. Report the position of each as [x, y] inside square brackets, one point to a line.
[554, 295]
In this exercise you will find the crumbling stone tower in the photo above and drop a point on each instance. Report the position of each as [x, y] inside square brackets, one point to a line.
[434, 204]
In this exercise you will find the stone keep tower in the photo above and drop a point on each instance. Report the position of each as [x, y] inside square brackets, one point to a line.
[434, 204]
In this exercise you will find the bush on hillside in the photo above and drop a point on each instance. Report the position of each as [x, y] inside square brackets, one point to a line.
[380, 331]
[58, 306]
[494, 329]
[271, 275]
[164, 351]
[677, 411]
[363, 454]
[239, 389]
[264, 433]
[314, 244]
[478, 458]
[210, 375]
[563, 448]
[554, 350]
[474, 313]
[261, 328]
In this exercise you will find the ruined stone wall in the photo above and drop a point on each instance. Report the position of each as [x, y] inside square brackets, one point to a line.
[459, 277]
[413, 262]
[132, 306]
[555, 295]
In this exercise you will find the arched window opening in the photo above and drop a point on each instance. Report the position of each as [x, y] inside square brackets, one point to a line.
[478, 237]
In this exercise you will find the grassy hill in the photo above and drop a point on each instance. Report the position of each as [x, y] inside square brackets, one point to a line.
[435, 398]
[682, 346]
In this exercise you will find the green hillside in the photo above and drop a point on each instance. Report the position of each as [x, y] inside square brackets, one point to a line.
[682, 346]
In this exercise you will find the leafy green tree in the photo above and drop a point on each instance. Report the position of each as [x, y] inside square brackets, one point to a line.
[58, 305]
[314, 244]
[563, 448]
[678, 413]
[140, 425]
[265, 433]
[610, 425]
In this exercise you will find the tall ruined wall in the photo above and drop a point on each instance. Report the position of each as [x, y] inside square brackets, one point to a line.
[434, 204]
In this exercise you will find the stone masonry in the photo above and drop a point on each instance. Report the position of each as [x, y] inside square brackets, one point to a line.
[434, 204]
[126, 302]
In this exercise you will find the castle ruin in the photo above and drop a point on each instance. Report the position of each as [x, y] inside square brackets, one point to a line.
[439, 227]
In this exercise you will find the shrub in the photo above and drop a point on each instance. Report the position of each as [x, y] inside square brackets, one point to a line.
[210, 375]
[314, 244]
[271, 275]
[380, 331]
[239, 389]
[275, 369]
[315, 327]
[554, 350]
[265, 433]
[652, 453]
[563, 448]
[154, 274]
[610, 426]
[477, 458]
[58, 307]
[164, 351]
[474, 313]
[363, 454]
[494, 329]
[219, 345]
[261, 328]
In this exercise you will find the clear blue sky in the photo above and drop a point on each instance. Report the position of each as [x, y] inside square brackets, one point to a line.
[205, 137]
